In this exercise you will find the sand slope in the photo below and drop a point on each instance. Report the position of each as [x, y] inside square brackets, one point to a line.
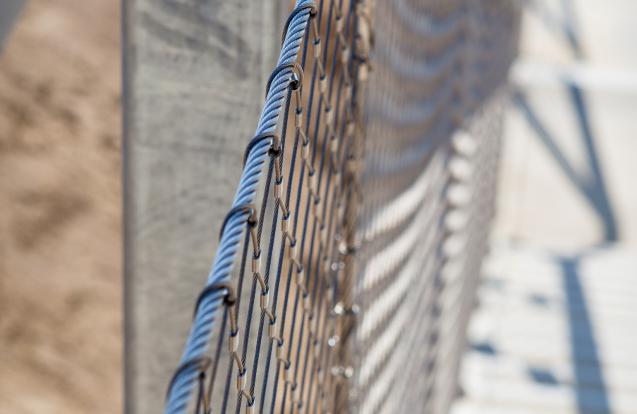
[60, 198]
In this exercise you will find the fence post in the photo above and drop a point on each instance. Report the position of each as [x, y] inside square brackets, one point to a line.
[194, 76]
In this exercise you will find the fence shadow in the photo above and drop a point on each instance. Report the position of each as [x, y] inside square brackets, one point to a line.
[591, 184]
[590, 385]
[563, 22]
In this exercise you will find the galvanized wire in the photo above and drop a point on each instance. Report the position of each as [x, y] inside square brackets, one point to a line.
[344, 274]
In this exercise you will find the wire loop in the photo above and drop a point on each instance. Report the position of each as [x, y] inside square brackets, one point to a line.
[243, 208]
[201, 364]
[229, 298]
[313, 11]
[275, 146]
[296, 80]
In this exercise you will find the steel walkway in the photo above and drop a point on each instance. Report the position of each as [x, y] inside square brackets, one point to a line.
[554, 333]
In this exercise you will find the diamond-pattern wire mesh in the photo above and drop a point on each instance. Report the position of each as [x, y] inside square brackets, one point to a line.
[433, 126]
[277, 346]
[359, 261]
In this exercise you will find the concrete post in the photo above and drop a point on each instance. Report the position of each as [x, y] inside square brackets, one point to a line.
[194, 76]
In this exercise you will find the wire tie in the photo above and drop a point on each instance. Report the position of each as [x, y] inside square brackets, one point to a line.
[200, 364]
[296, 80]
[275, 146]
[241, 208]
[228, 300]
[313, 11]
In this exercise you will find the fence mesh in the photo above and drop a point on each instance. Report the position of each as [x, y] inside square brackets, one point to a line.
[347, 262]
[433, 127]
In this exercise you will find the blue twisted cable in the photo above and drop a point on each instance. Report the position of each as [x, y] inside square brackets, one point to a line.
[198, 341]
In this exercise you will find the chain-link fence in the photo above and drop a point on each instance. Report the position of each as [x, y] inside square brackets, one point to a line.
[347, 263]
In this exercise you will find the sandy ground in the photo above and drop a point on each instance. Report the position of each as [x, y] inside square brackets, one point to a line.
[60, 249]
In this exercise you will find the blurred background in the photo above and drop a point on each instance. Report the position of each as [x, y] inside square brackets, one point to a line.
[552, 332]
[60, 198]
